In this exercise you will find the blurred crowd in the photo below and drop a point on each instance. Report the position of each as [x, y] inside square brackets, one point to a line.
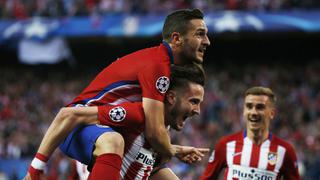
[29, 100]
[21, 9]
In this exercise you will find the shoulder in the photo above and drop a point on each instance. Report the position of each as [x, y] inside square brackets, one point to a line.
[286, 145]
[157, 52]
[282, 142]
[231, 137]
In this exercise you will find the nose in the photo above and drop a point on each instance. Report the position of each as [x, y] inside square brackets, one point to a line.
[206, 41]
[253, 111]
[196, 110]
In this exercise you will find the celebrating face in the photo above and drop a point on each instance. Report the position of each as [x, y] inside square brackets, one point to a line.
[183, 104]
[195, 41]
[258, 111]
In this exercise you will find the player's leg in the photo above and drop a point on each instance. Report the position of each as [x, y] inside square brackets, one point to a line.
[97, 146]
[65, 121]
[70, 117]
[108, 155]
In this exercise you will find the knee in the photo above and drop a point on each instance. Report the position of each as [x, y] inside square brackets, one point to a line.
[79, 115]
[109, 142]
[66, 113]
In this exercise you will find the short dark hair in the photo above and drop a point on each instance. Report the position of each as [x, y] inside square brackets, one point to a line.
[259, 90]
[178, 21]
[182, 75]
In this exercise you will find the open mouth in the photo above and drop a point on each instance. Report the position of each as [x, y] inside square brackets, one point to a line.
[181, 123]
[202, 50]
[254, 120]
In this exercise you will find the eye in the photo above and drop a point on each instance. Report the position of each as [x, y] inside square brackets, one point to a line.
[249, 105]
[194, 101]
[260, 106]
[200, 33]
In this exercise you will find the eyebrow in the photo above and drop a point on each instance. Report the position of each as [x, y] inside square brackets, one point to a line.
[201, 29]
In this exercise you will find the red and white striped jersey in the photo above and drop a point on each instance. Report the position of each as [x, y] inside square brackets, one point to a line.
[137, 162]
[138, 159]
[242, 159]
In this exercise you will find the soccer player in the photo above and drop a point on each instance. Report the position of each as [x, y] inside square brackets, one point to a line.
[142, 76]
[254, 153]
[182, 101]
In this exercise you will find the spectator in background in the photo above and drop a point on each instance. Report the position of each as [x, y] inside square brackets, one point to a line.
[20, 9]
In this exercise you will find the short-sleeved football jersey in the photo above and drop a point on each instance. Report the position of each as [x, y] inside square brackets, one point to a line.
[144, 73]
[242, 159]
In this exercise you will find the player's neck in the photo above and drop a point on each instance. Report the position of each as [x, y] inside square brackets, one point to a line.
[257, 137]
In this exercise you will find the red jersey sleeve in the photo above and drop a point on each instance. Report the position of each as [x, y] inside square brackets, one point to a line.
[155, 80]
[290, 166]
[217, 162]
[123, 115]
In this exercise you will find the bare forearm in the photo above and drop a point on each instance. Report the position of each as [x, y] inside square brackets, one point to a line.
[160, 142]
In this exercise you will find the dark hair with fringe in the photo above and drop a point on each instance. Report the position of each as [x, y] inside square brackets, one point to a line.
[178, 21]
[260, 90]
[182, 75]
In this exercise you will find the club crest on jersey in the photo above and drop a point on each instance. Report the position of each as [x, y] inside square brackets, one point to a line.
[117, 114]
[162, 84]
[272, 158]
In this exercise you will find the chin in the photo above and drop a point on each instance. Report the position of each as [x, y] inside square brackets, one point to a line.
[255, 128]
[199, 60]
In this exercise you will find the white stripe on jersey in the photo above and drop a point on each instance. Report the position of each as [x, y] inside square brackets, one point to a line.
[242, 170]
[133, 98]
[231, 148]
[126, 86]
[133, 156]
[129, 156]
[263, 159]
[281, 153]
[246, 152]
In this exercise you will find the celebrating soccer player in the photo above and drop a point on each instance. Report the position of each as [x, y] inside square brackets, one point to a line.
[142, 76]
[254, 153]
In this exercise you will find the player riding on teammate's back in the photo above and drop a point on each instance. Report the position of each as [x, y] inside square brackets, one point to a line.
[145, 79]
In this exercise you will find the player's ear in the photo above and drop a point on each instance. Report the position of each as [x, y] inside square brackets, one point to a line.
[171, 96]
[176, 38]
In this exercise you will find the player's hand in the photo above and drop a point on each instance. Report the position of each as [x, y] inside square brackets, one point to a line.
[189, 154]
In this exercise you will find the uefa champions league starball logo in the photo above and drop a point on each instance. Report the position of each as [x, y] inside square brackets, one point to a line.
[117, 114]
[162, 84]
